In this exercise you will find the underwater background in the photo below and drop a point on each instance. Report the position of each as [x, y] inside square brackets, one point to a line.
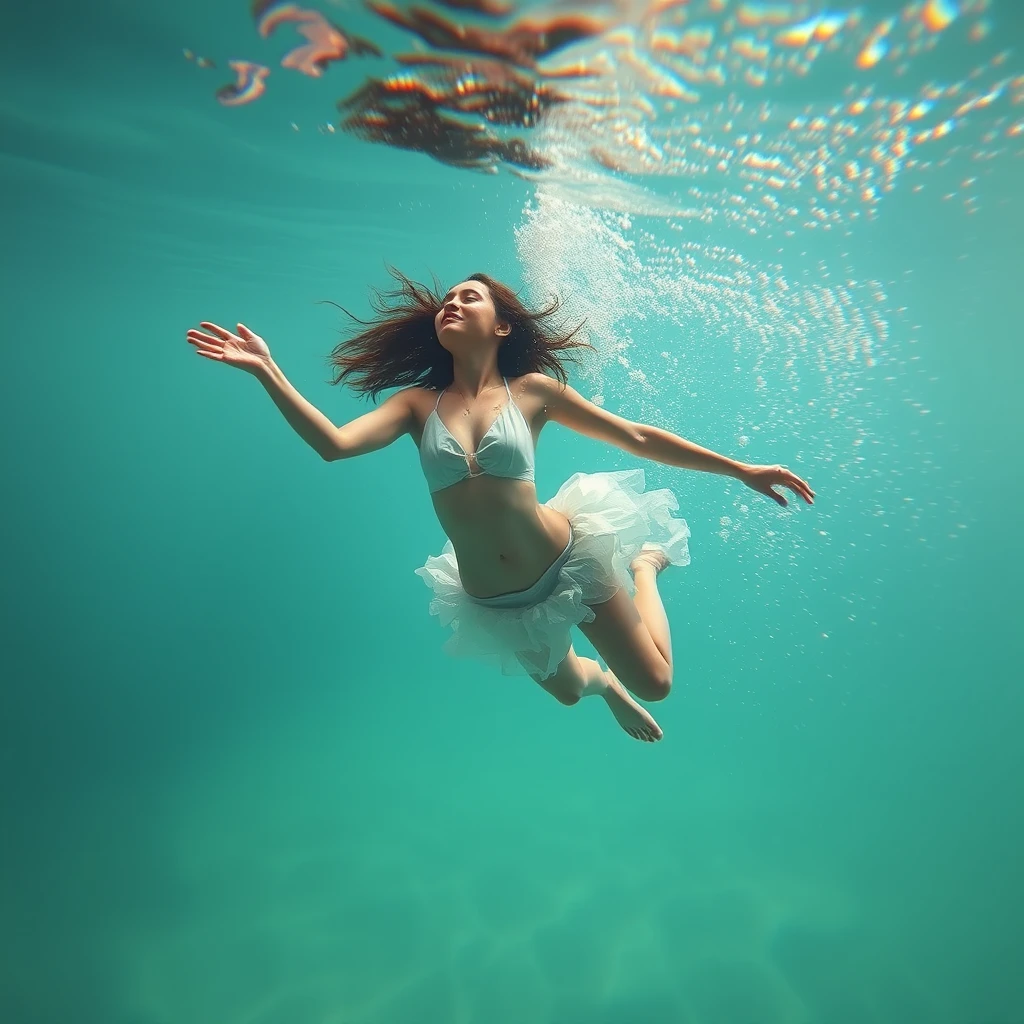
[241, 781]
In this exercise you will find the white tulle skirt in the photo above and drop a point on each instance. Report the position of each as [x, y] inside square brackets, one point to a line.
[528, 633]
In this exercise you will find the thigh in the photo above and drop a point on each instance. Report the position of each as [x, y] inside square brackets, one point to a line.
[621, 638]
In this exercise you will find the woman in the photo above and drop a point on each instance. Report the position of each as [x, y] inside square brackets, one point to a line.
[516, 574]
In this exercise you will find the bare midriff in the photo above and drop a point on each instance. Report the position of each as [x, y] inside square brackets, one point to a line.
[504, 539]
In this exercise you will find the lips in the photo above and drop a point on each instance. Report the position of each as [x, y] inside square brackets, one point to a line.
[450, 318]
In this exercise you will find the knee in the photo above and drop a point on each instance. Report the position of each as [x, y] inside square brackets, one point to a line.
[657, 685]
[565, 691]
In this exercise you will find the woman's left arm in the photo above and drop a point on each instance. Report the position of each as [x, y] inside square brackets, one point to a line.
[664, 446]
[572, 410]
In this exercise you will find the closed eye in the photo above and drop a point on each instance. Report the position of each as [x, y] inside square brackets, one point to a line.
[465, 295]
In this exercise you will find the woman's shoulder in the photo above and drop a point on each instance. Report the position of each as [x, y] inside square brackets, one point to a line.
[418, 392]
[420, 399]
[536, 383]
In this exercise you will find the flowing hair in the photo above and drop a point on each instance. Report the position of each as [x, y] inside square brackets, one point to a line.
[399, 347]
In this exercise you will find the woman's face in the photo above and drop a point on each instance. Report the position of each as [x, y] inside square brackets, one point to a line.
[467, 315]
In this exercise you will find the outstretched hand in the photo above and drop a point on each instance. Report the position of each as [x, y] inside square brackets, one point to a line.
[764, 480]
[245, 350]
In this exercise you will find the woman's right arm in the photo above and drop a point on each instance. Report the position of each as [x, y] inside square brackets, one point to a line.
[248, 351]
[367, 433]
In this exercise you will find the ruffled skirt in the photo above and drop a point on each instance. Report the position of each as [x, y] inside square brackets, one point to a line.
[612, 518]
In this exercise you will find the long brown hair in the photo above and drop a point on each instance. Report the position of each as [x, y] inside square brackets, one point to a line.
[400, 348]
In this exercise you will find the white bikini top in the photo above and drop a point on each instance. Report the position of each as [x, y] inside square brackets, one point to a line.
[506, 450]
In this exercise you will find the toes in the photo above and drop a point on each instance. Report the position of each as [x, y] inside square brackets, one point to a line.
[643, 734]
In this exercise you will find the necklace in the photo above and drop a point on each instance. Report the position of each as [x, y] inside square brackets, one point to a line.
[466, 412]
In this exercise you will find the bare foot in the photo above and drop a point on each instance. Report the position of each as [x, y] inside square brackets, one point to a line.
[652, 556]
[630, 715]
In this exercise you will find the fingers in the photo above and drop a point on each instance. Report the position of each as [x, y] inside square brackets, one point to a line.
[766, 478]
[804, 489]
[800, 489]
[244, 332]
[220, 332]
[798, 486]
[206, 344]
[198, 338]
[210, 345]
[211, 348]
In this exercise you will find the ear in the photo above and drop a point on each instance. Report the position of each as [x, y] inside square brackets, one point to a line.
[503, 330]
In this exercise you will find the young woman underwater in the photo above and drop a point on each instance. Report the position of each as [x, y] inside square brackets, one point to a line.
[478, 371]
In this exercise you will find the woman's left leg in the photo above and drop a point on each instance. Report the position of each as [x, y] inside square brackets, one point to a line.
[632, 635]
[646, 567]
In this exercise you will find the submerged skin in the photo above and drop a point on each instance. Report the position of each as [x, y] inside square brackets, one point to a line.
[503, 537]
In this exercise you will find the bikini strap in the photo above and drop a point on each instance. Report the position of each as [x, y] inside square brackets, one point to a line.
[506, 387]
[438, 402]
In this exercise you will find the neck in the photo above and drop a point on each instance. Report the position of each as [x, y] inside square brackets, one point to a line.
[471, 382]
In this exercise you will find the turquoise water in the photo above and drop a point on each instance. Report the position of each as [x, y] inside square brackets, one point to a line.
[243, 783]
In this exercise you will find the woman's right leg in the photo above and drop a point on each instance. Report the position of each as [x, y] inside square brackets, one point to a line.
[578, 677]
